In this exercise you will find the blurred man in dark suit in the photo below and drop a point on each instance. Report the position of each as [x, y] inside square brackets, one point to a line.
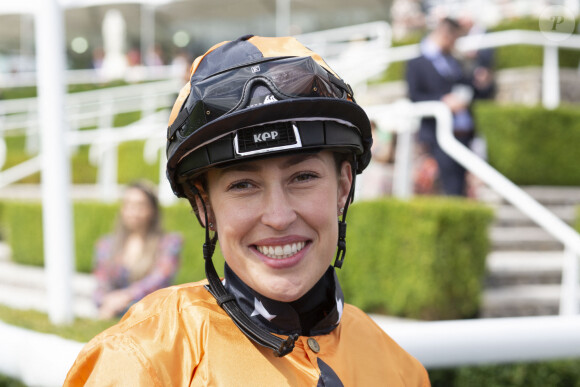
[437, 75]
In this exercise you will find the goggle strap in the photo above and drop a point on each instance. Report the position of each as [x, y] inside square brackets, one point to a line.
[180, 120]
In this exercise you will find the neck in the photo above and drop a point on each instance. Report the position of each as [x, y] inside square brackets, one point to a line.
[317, 312]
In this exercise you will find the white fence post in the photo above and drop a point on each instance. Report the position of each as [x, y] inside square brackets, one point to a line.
[403, 173]
[56, 205]
[107, 175]
[550, 78]
[570, 291]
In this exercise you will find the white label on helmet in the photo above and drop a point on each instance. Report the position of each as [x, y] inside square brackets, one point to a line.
[265, 136]
[256, 69]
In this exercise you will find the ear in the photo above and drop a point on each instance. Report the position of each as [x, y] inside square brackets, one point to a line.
[344, 183]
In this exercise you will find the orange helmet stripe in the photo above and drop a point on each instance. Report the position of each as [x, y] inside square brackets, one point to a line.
[183, 93]
[273, 47]
[185, 90]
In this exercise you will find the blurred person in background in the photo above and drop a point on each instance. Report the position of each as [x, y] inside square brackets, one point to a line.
[436, 75]
[377, 181]
[138, 258]
[480, 62]
[264, 141]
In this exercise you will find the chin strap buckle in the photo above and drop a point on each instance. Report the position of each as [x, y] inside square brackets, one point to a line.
[287, 346]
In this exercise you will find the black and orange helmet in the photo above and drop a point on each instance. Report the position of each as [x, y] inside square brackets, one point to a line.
[257, 96]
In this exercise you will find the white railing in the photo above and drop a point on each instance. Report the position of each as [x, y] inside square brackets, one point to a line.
[92, 108]
[449, 344]
[356, 52]
[90, 76]
[104, 144]
[561, 231]
[40, 359]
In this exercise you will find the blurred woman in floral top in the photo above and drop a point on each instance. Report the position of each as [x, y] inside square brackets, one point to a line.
[138, 258]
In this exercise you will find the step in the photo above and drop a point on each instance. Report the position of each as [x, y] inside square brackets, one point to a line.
[507, 215]
[522, 238]
[24, 287]
[33, 277]
[509, 268]
[24, 298]
[547, 195]
[522, 300]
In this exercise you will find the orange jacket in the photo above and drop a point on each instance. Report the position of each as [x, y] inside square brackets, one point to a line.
[179, 336]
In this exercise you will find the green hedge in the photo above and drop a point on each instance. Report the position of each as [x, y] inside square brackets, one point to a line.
[92, 220]
[30, 91]
[532, 145]
[416, 259]
[404, 258]
[560, 373]
[6, 381]
[524, 55]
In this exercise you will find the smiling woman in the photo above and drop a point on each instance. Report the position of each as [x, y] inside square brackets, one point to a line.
[265, 142]
[276, 220]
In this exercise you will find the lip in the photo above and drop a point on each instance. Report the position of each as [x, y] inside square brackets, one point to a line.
[285, 262]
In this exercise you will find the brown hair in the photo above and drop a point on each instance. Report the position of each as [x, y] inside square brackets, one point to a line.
[153, 235]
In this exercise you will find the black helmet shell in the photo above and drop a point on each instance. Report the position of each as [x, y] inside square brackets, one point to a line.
[256, 96]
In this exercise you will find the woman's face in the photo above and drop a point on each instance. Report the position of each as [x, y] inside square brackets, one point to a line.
[136, 210]
[277, 220]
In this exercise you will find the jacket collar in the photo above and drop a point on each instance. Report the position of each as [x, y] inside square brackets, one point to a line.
[317, 312]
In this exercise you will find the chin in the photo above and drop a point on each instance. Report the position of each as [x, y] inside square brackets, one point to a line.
[292, 293]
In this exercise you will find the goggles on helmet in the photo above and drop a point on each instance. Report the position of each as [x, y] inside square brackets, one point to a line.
[256, 84]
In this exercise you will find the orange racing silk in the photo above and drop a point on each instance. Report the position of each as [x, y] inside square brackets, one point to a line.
[179, 336]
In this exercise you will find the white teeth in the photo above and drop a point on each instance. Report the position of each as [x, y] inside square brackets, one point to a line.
[281, 252]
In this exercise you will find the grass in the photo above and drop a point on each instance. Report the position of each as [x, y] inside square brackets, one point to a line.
[6, 381]
[82, 329]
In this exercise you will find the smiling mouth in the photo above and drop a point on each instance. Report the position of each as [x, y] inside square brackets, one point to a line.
[281, 252]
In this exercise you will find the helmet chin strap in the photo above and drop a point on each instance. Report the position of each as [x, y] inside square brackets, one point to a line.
[341, 252]
[228, 302]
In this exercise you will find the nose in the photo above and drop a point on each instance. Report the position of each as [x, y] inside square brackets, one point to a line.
[277, 210]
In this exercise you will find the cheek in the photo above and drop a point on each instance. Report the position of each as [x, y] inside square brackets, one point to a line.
[233, 221]
[320, 211]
